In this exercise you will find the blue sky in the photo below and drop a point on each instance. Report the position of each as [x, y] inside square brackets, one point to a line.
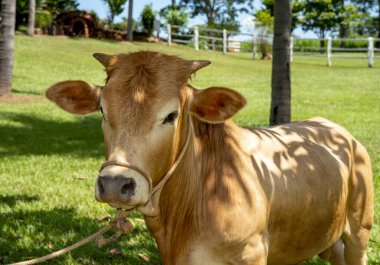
[101, 9]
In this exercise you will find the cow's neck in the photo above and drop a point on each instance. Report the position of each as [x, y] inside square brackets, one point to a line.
[211, 148]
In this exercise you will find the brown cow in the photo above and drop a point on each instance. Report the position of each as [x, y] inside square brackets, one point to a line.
[216, 193]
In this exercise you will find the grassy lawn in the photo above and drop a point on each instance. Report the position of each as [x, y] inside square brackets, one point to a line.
[49, 159]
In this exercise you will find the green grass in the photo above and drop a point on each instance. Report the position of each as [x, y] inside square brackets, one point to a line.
[49, 159]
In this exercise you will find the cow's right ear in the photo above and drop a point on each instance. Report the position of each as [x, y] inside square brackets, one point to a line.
[216, 104]
[75, 96]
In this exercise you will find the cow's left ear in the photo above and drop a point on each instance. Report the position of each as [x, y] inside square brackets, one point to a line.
[75, 96]
[216, 104]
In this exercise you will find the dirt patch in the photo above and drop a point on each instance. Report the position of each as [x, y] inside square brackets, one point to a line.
[20, 99]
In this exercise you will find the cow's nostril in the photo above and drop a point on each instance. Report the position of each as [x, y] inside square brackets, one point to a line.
[100, 186]
[128, 187]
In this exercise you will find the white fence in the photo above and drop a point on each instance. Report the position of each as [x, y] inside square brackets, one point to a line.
[231, 41]
[223, 40]
[348, 48]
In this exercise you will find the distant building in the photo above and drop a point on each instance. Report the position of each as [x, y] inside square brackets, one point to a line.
[233, 46]
[77, 24]
[84, 24]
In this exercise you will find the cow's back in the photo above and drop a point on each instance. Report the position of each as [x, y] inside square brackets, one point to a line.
[305, 169]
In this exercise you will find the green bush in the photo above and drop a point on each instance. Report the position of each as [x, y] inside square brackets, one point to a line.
[351, 44]
[43, 19]
[246, 46]
[175, 16]
[147, 18]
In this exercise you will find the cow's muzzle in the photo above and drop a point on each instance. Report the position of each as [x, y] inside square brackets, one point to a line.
[122, 185]
[117, 189]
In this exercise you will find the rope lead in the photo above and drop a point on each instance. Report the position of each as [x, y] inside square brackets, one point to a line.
[120, 224]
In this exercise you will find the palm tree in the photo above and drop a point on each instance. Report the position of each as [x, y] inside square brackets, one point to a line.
[32, 14]
[130, 21]
[280, 105]
[378, 23]
[7, 34]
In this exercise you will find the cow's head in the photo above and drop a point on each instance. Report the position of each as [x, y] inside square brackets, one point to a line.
[145, 104]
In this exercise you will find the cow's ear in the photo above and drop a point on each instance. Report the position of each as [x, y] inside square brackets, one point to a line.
[216, 104]
[77, 97]
[196, 65]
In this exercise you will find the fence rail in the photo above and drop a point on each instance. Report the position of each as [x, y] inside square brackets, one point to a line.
[248, 42]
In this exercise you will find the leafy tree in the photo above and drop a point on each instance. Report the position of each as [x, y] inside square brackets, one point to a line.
[331, 16]
[56, 7]
[217, 11]
[268, 9]
[371, 23]
[265, 26]
[319, 16]
[174, 15]
[348, 18]
[265, 17]
[22, 11]
[280, 111]
[297, 9]
[228, 18]
[44, 19]
[147, 18]
[378, 22]
[266, 20]
[367, 27]
[7, 34]
[116, 7]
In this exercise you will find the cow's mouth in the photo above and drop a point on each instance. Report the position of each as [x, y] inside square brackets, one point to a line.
[120, 206]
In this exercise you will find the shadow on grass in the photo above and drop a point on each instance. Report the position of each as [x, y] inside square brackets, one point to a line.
[17, 91]
[11, 200]
[27, 234]
[27, 134]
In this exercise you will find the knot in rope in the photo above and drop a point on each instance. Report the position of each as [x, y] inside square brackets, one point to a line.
[120, 224]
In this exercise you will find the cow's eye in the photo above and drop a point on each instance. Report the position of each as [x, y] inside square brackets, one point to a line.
[171, 117]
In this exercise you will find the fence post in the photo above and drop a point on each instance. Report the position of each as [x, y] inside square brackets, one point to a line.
[291, 49]
[224, 41]
[169, 28]
[254, 48]
[329, 51]
[370, 52]
[196, 38]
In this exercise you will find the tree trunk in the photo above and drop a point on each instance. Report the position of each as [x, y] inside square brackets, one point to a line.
[280, 111]
[210, 24]
[31, 19]
[7, 34]
[378, 24]
[322, 45]
[112, 18]
[130, 21]
[343, 34]
[322, 36]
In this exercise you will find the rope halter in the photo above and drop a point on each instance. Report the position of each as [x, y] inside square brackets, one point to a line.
[158, 187]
